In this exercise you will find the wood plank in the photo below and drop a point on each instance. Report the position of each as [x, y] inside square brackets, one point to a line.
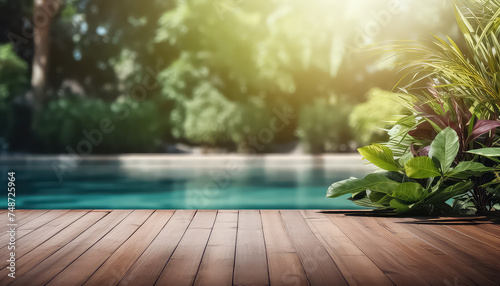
[40, 235]
[395, 260]
[476, 255]
[284, 263]
[439, 264]
[217, 265]
[22, 217]
[35, 223]
[355, 266]
[250, 266]
[318, 265]
[477, 234]
[50, 267]
[85, 265]
[182, 267]
[117, 265]
[61, 247]
[44, 250]
[149, 266]
[493, 229]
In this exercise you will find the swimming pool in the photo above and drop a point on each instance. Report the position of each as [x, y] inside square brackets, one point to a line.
[181, 182]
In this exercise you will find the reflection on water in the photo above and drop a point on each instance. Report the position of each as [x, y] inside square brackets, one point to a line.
[221, 182]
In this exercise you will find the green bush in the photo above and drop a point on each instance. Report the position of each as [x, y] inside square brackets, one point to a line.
[62, 122]
[323, 126]
[414, 185]
[370, 119]
[205, 113]
[448, 147]
[13, 80]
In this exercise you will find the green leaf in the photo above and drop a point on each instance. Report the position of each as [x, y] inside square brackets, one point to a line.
[365, 202]
[487, 152]
[399, 206]
[467, 169]
[341, 188]
[410, 192]
[405, 158]
[444, 148]
[379, 156]
[376, 196]
[421, 168]
[378, 182]
[445, 194]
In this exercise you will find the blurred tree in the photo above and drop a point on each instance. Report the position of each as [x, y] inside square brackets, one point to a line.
[322, 126]
[13, 81]
[224, 65]
[43, 14]
[281, 52]
[369, 118]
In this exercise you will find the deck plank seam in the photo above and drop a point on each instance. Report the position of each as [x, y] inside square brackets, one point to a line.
[20, 237]
[360, 248]
[265, 248]
[471, 237]
[319, 243]
[311, 225]
[102, 236]
[56, 250]
[205, 248]
[21, 224]
[139, 256]
[48, 282]
[175, 248]
[118, 247]
[235, 244]
[54, 234]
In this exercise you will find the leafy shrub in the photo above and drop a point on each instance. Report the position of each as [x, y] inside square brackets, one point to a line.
[421, 184]
[205, 112]
[432, 154]
[370, 119]
[323, 126]
[63, 121]
[13, 79]
[225, 122]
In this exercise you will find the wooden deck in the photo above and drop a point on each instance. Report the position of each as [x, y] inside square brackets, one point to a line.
[249, 247]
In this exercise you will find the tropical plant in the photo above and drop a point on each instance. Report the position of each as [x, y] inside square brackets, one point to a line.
[411, 184]
[429, 155]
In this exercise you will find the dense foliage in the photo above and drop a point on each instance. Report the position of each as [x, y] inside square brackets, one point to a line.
[67, 122]
[217, 69]
[447, 147]
[13, 75]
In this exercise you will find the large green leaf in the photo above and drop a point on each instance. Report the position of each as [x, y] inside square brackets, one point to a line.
[348, 186]
[421, 168]
[410, 192]
[379, 156]
[487, 152]
[365, 202]
[378, 182]
[445, 194]
[405, 158]
[444, 148]
[467, 169]
[376, 196]
[399, 206]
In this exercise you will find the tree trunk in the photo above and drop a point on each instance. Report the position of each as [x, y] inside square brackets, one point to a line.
[44, 12]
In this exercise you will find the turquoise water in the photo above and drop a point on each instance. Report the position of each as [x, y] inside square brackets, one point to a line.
[207, 183]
